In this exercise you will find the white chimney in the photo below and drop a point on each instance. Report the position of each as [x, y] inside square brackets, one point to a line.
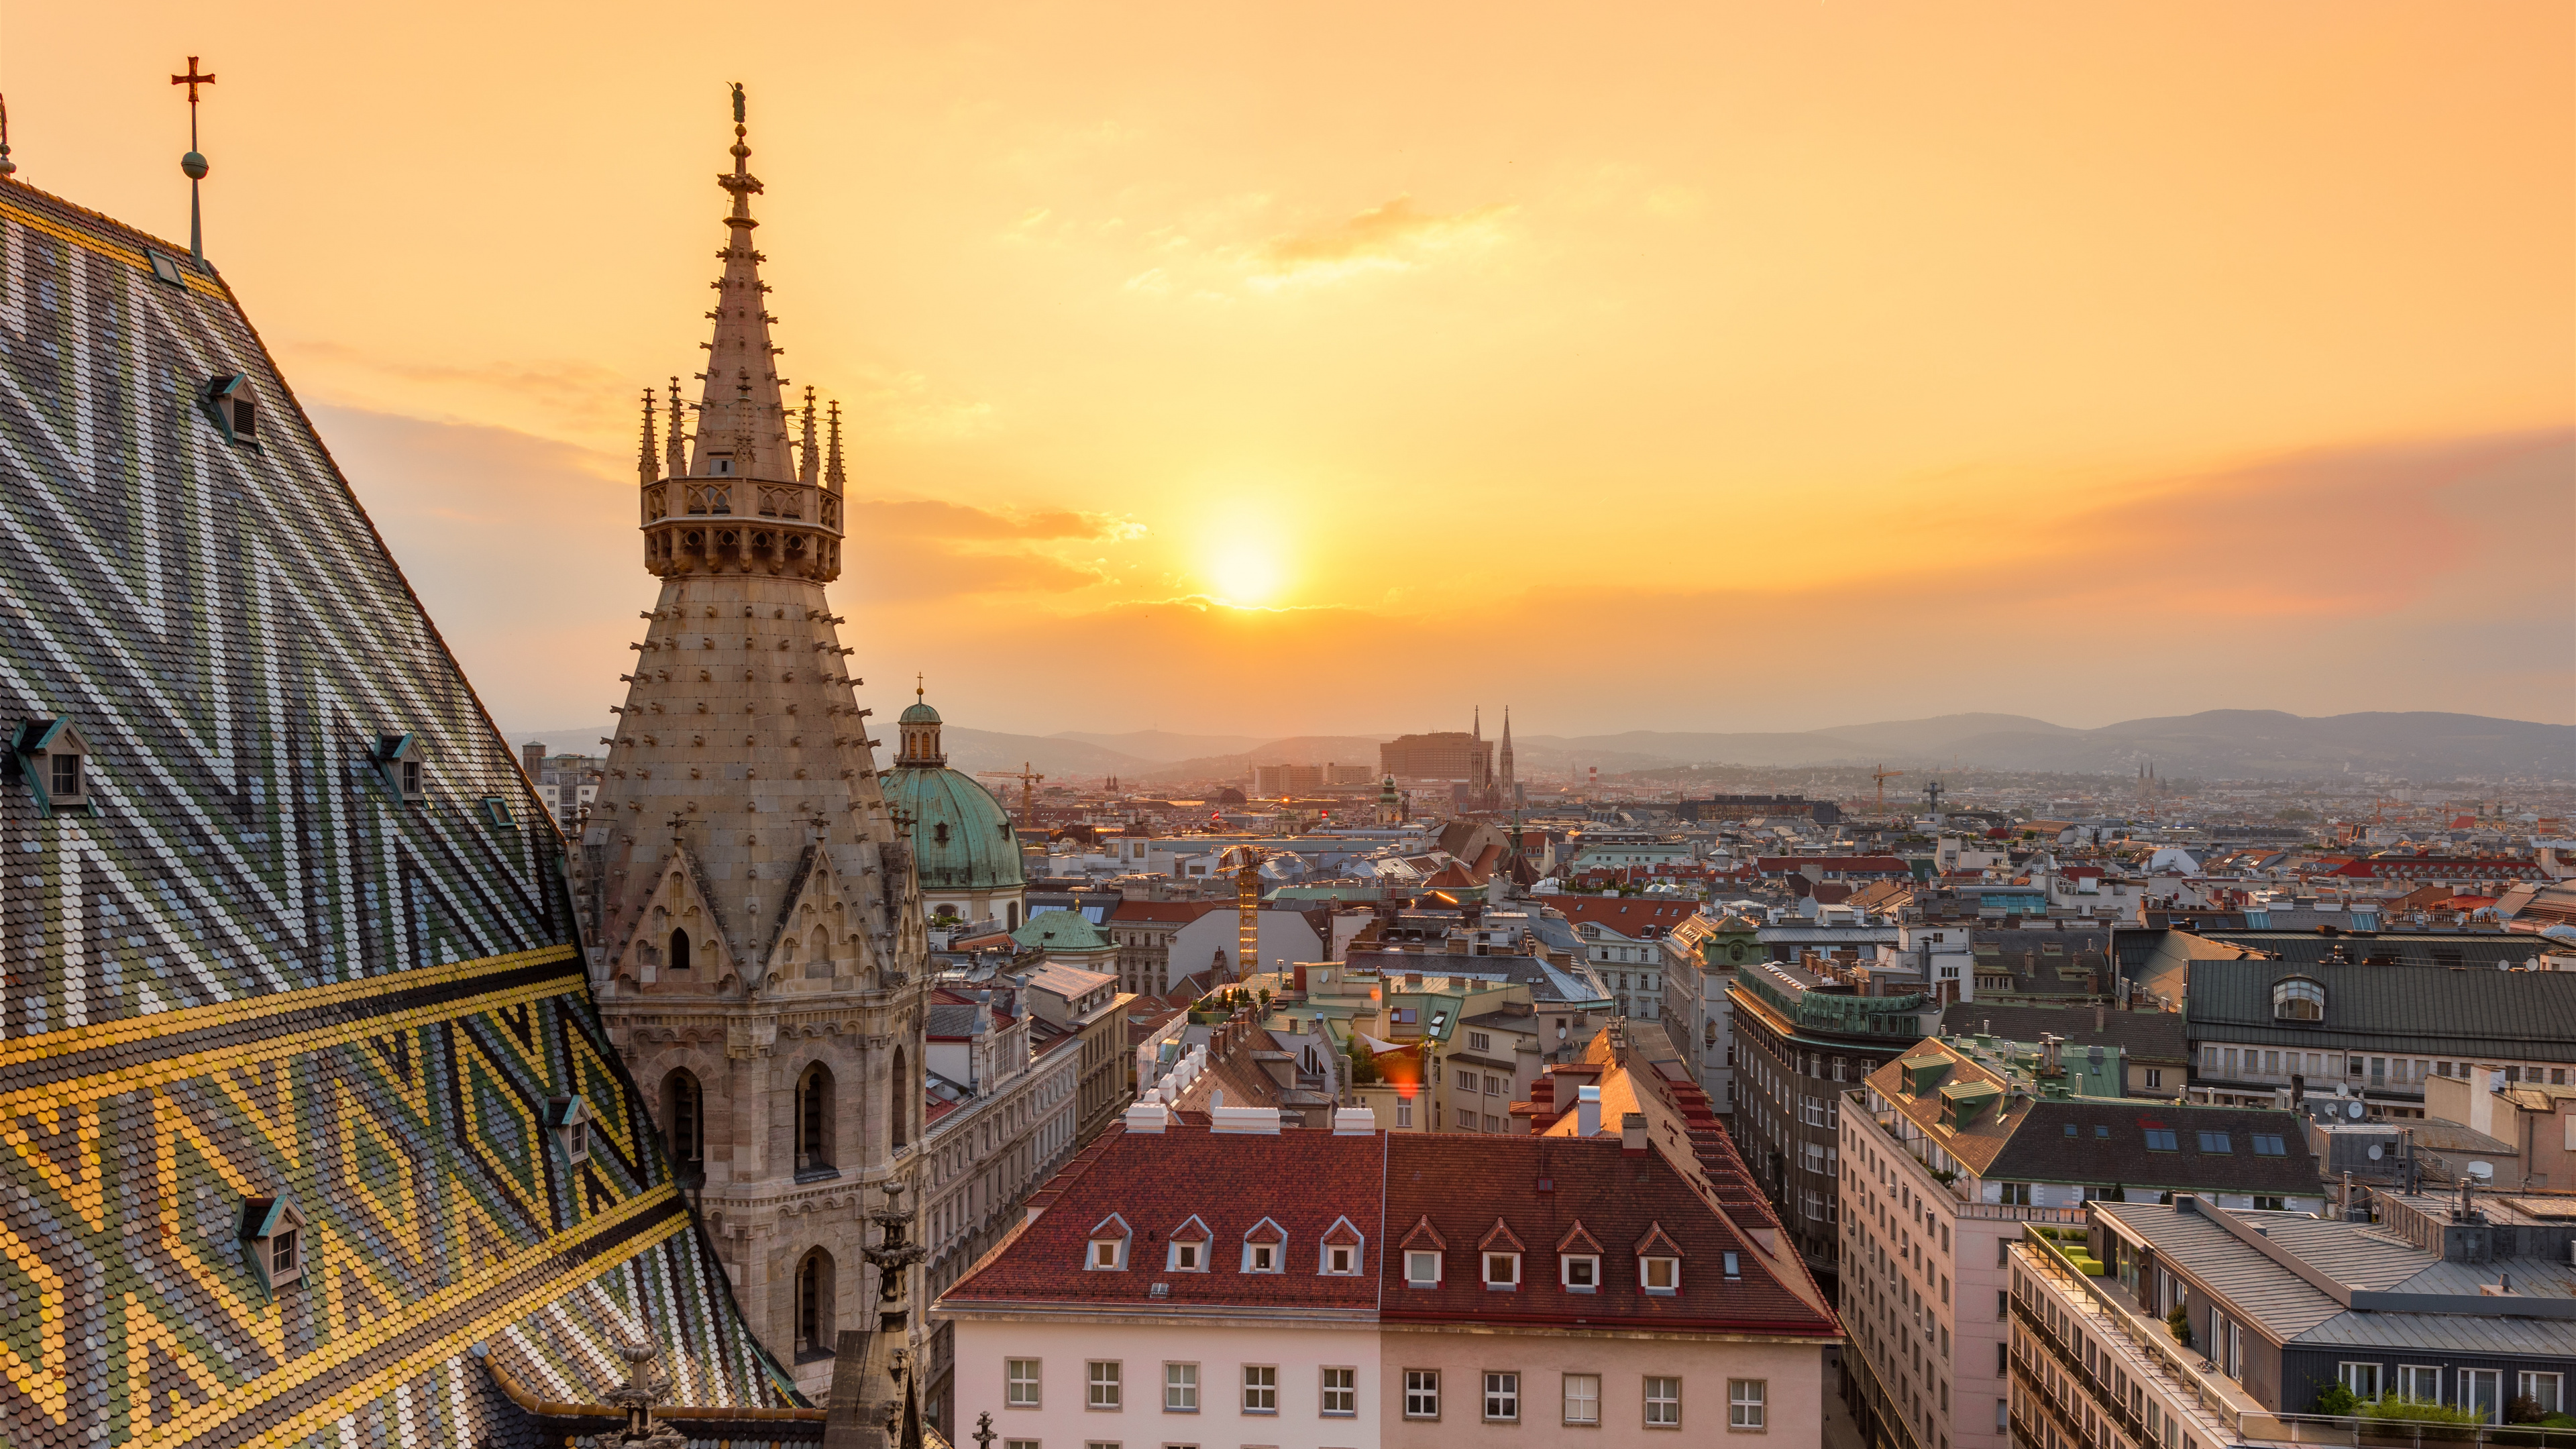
[1147, 1117]
[1632, 1132]
[1587, 1111]
[1354, 1122]
[1260, 1121]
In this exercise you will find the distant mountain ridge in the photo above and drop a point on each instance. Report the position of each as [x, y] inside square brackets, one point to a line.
[2214, 744]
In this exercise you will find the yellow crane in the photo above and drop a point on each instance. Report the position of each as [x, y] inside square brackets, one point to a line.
[1882, 775]
[1247, 906]
[1029, 781]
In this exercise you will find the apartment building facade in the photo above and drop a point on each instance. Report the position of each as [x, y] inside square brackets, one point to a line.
[1232, 1283]
[2188, 1326]
[1948, 1160]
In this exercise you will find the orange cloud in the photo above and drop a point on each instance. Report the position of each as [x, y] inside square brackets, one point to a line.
[1391, 237]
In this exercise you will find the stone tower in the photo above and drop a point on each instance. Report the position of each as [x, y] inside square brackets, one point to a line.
[748, 899]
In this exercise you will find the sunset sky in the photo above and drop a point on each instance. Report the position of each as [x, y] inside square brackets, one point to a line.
[1334, 367]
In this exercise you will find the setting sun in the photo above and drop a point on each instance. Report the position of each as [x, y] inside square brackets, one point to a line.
[1247, 571]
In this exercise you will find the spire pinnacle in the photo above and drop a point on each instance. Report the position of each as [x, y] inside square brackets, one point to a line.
[809, 462]
[675, 451]
[833, 477]
[742, 428]
[644, 469]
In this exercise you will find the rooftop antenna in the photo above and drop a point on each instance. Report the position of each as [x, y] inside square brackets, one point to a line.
[194, 163]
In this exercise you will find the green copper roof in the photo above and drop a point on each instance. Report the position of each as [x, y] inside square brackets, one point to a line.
[1060, 931]
[919, 713]
[961, 837]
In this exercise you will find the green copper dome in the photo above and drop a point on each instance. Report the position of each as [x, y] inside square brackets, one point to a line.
[961, 837]
[920, 712]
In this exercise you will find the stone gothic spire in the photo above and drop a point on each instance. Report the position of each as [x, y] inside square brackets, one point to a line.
[1507, 748]
[645, 469]
[742, 418]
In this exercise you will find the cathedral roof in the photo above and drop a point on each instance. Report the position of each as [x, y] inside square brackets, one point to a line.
[293, 951]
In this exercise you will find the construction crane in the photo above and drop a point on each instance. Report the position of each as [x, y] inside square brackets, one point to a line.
[1247, 905]
[1882, 775]
[1029, 781]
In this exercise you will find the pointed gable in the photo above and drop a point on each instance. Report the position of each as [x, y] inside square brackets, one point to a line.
[1657, 1243]
[1265, 1231]
[1424, 1236]
[1578, 1243]
[1499, 1239]
[1342, 1234]
[1194, 1230]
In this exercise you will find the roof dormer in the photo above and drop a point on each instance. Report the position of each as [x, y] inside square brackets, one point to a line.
[1106, 1248]
[53, 759]
[1187, 1250]
[1343, 1250]
[232, 404]
[1265, 1247]
[272, 1233]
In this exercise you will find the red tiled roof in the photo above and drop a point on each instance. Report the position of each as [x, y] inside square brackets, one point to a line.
[1179, 913]
[1459, 1183]
[1233, 1183]
[1624, 915]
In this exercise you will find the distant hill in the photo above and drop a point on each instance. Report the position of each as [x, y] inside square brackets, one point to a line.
[1161, 746]
[2215, 744]
[1296, 750]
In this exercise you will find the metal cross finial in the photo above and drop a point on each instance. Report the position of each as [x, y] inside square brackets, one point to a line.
[193, 165]
[192, 80]
[7, 166]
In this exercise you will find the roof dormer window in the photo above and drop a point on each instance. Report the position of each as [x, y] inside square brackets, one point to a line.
[1265, 1248]
[272, 1231]
[1342, 1250]
[1106, 1251]
[397, 759]
[1187, 1251]
[53, 759]
[1659, 1263]
[2297, 998]
[570, 1117]
[234, 407]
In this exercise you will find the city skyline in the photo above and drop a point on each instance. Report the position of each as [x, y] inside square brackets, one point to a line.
[2259, 366]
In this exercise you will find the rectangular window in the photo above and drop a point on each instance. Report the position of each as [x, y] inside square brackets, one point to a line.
[1422, 1270]
[1180, 1388]
[2269, 1144]
[2361, 1378]
[2482, 1393]
[1261, 1388]
[1503, 1398]
[1743, 1403]
[1337, 1259]
[2155, 1078]
[1583, 1398]
[1659, 1275]
[1502, 1270]
[1422, 1393]
[1103, 1381]
[1020, 1383]
[1583, 1275]
[2547, 1391]
[1261, 1258]
[2214, 1142]
[2162, 1139]
[1663, 1402]
[1341, 1392]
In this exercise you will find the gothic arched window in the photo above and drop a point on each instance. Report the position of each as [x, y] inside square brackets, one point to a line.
[814, 1336]
[898, 1117]
[679, 950]
[684, 1109]
[814, 1120]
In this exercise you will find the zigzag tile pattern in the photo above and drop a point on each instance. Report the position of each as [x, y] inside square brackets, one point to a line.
[253, 969]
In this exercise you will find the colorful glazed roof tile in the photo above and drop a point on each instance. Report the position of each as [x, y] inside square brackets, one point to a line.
[296, 934]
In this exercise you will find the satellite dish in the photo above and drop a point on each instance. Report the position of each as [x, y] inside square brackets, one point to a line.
[2352, 1110]
[2375, 1151]
[2483, 1172]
